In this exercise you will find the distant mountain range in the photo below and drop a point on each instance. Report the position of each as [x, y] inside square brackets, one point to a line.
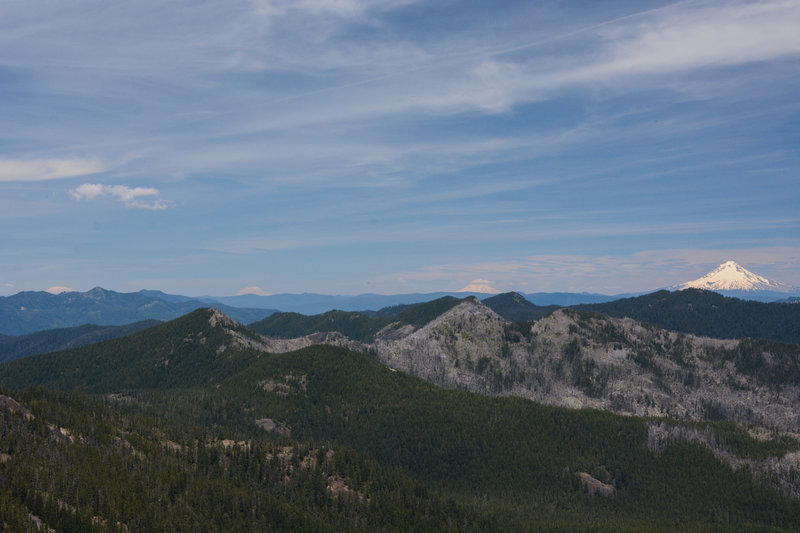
[453, 414]
[693, 311]
[568, 358]
[506, 345]
[30, 311]
[312, 304]
[519, 403]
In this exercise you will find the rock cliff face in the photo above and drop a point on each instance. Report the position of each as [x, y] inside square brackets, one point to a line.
[581, 360]
[447, 350]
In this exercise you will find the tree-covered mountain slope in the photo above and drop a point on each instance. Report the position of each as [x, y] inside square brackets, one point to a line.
[202, 347]
[75, 463]
[708, 314]
[695, 311]
[363, 326]
[423, 458]
[516, 308]
[52, 340]
[353, 325]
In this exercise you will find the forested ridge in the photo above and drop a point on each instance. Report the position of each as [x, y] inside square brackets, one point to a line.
[354, 325]
[690, 311]
[52, 340]
[76, 463]
[325, 439]
[708, 314]
[514, 307]
[694, 311]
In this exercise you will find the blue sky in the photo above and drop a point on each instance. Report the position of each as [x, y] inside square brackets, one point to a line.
[344, 146]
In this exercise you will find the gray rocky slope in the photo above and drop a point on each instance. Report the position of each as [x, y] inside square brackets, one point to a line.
[580, 360]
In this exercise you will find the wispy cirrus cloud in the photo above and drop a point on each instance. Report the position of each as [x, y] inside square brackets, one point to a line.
[683, 38]
[132, 197]
[338, 78]
[344, 8]
[26, 170]
[449, 131]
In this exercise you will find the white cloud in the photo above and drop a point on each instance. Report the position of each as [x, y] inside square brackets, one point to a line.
[47, 169]
[713, 34]
[684, 38]
[253, 290]
[391, 75]
[130, 196]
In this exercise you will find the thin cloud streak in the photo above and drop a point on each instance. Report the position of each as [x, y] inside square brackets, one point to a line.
[477, 232]
[27, 170]
[129, 196]
[496, 85]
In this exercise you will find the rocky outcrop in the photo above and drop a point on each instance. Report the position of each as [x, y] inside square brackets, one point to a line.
[448, 349]
[7, 403]
[781, 472]
[289, 345]
[581, 360]
[594, 486]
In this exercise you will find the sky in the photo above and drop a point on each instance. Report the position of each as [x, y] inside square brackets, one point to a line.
[394, 146]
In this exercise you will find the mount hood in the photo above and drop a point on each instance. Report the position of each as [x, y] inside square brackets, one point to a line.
[731, 276]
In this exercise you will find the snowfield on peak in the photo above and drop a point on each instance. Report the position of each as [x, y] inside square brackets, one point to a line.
[730, 276]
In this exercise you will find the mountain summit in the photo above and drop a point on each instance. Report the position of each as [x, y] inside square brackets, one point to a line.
[731, 276]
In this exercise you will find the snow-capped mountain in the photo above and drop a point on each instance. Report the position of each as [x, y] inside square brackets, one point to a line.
[730, 276]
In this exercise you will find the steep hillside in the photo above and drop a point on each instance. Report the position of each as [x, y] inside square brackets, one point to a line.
[356, 326]
[199, 348]
[52, 340]
[245, 454]
[576, 360]
[73, 463]
[709, 314]
[579, 360]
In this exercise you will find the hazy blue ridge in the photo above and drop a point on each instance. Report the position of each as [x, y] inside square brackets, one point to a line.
[313, 304]
[64, 338]
[30, 311]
